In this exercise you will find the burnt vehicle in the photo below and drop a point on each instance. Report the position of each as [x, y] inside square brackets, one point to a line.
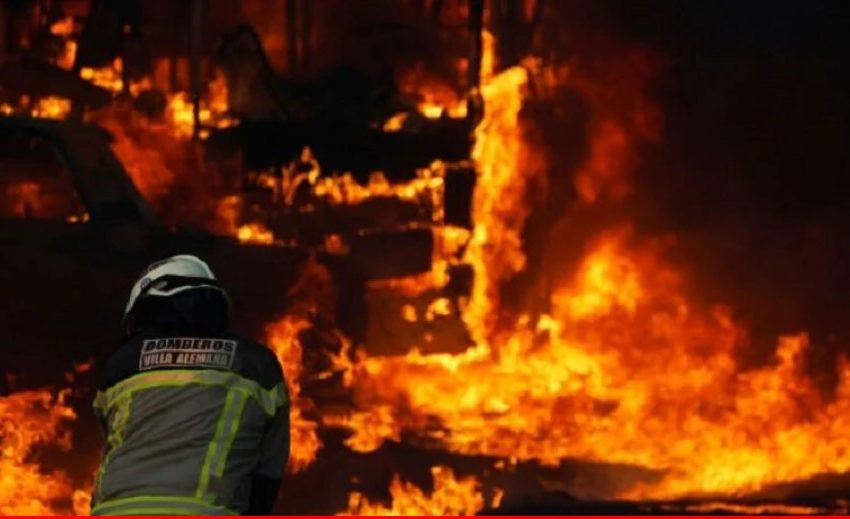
[74, 232]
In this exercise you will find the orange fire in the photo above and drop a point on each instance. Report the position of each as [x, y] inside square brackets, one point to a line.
[623, 368]
[212, 112]
[283, 337]
[143, 149]
[30, 419]
[426, 188]
[227, 222]
[499, 209]
[34, 419]
[51, 107]
[163, 160]
[23, 199]
[108, 77]
[255, 233]
[64, 29]
[451, 496]
[434, 97]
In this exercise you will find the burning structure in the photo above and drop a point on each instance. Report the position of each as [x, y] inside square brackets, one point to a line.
[457, 250]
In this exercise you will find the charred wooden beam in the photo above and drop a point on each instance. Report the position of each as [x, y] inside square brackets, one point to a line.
[195, 63]
[392, 254]
[313, 220]
[359, 149]
[398, 323]
[476, 25]
[459, 187]
[101, 39]
[40, 79]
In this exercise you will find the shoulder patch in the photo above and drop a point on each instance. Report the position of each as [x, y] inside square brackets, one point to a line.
[187, 352]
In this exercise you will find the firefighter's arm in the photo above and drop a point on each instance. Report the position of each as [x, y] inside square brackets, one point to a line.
[274, 455]
[100, 414]
[99, 404]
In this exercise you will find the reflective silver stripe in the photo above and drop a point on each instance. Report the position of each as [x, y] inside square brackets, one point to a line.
[159, 505]
[270, 400]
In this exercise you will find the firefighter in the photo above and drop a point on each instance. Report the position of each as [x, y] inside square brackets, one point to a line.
[196, 418]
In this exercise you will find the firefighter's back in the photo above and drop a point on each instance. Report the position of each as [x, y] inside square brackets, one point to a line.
[192, 418]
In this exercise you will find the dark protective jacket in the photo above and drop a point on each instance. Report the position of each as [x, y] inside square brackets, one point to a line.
[195, 424]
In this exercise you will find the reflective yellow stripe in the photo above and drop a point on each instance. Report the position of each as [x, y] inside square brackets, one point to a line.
[116, 435]
[100, 402]
[221, 461]
[239, 391]
[153, 511]
[228, 420]
[270, 400]
[159, 505]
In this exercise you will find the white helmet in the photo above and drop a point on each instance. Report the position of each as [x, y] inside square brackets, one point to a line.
[172, 276]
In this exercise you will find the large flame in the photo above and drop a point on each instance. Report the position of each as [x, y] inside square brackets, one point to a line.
[284, 338]
[451, 496]
[623, 368]
[32, 420]
[500, 207]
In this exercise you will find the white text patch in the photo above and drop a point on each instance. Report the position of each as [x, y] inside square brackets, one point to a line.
[187, 352]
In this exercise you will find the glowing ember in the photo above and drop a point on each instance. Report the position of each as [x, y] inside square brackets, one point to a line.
[433, 96]
[51, 107]
[451, 496]
[212, 112]
[255, 233]
[108, 77]
[344, 189]
[83, 218]
[396, 122]
[64, 28]
[23, 199]
[759, 509]
[227, 222]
